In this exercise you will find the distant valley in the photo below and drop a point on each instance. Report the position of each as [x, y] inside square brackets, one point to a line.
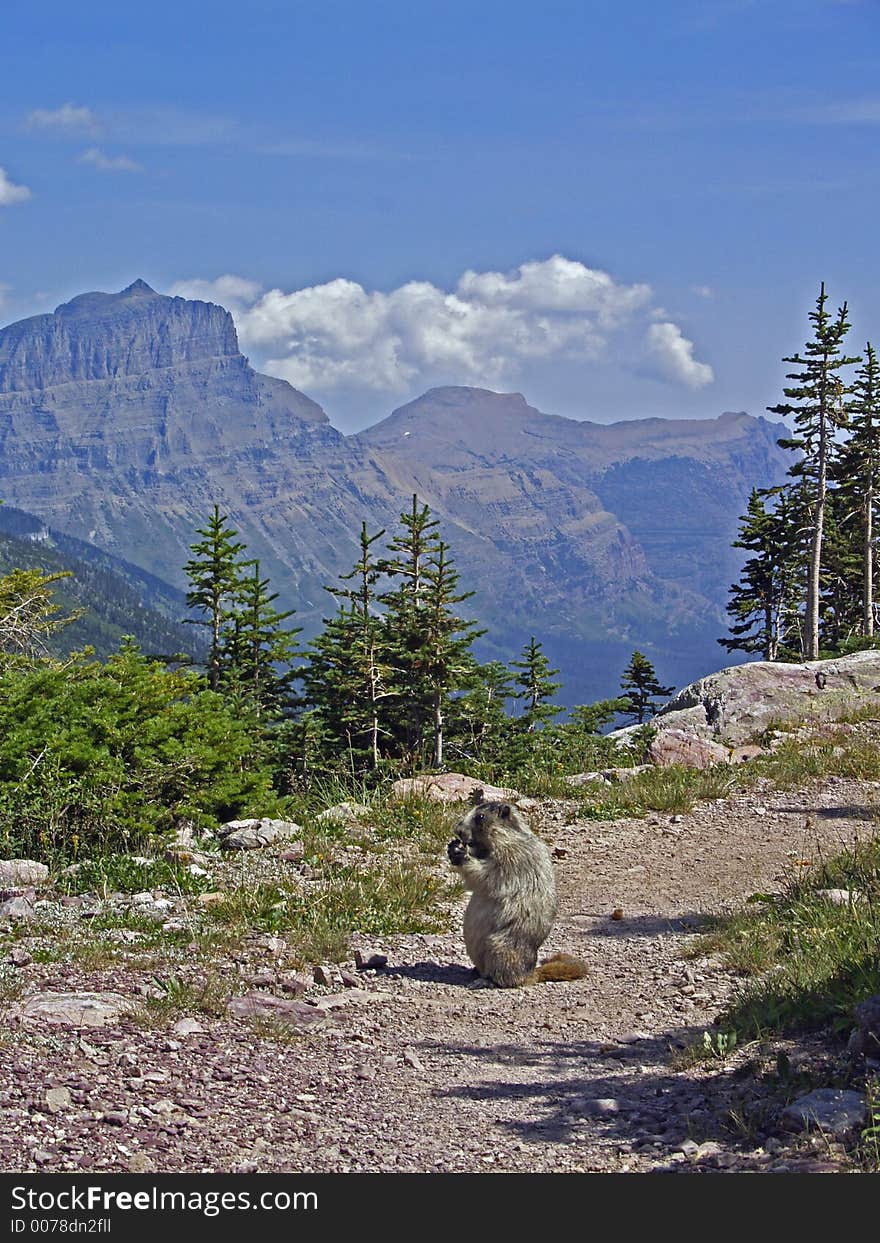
[125, 417]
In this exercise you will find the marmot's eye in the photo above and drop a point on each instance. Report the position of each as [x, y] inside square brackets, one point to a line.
[478, 819]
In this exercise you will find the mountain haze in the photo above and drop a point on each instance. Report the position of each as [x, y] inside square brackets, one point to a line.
[125, 417]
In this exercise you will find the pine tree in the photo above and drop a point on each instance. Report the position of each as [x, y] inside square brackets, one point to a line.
[536, 686]
[428, 644]
[447, 664]
[333, 687]
[370, 674]
[479, 725]
[214, 573]
[817, 405]
[257, 650]
[840, 596]
[641, 688]
[859, 478]
[763, 604]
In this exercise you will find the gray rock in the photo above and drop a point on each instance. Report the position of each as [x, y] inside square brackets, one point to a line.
[20, 957]
[344, 813]
[58, 1099]
[255, 834]
[599, 1107]
[865, 1038]
[18, 910]
[75, 1009]
[839, 897]
[834, 1111]
[22, 873]
[188, 1026]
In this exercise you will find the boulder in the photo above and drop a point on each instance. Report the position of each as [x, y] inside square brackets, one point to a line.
[834, 1111]
[607, 776]
[344, 813]
[19, 908]
[449, 788]
[735, 704]
[678, 746]
[255, 834]
[75, 1009]
[22, 873]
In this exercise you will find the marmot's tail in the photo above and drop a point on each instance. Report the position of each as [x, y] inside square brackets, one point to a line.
[560, 967]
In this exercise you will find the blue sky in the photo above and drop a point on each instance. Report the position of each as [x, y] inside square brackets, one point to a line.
[620, 209]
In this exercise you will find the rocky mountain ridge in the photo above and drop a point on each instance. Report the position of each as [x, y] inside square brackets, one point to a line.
[125, 417]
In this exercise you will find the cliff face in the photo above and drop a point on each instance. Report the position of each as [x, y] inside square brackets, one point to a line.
[125, 417]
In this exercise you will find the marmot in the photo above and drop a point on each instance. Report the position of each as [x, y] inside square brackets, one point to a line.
[513, 898]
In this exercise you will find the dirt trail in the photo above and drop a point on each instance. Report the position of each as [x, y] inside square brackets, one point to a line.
[431, 1074]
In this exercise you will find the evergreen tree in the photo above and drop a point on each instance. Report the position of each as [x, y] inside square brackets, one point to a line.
[333, 687]
[29, 616]
[859, 477]
[641, 688]
[428, 644]
[257, 650]
[817, 405]
[840, 598]
[763, 604]
[360, 661]
[446, 664]
[214, 573]
[536, 686]
[479, 725]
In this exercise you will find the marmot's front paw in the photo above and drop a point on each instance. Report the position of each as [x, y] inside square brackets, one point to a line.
[457, 852]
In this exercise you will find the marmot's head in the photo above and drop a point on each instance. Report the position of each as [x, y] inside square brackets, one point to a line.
[479, 828]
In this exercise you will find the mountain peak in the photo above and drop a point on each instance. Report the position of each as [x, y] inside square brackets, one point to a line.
[139, 287]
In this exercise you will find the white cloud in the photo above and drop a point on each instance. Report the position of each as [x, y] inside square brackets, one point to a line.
[69, 118]
[340, 335]
[109, 163]
[703, 291]
[673, 356]
[11, 193]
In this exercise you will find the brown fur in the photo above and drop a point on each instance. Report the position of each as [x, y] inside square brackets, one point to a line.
[513, 898]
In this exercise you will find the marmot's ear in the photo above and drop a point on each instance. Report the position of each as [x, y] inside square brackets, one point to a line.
[477, 796]
[504, 812]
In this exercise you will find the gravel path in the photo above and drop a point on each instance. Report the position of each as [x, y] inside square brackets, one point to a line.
[415, 1070]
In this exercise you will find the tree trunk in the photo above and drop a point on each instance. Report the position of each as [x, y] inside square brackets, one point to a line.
[438, 732]
[815, 569]
[868, 592]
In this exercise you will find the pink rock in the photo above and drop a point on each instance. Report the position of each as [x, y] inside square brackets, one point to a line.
[677, 746]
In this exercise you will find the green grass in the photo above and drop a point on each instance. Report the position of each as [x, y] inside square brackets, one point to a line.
[806, 961]
[116, 873]
[208, 996]
[673, 790]
[396, 898]
[802, 759]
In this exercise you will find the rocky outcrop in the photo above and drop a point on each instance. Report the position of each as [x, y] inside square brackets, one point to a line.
[450, 788]
[734, 705]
